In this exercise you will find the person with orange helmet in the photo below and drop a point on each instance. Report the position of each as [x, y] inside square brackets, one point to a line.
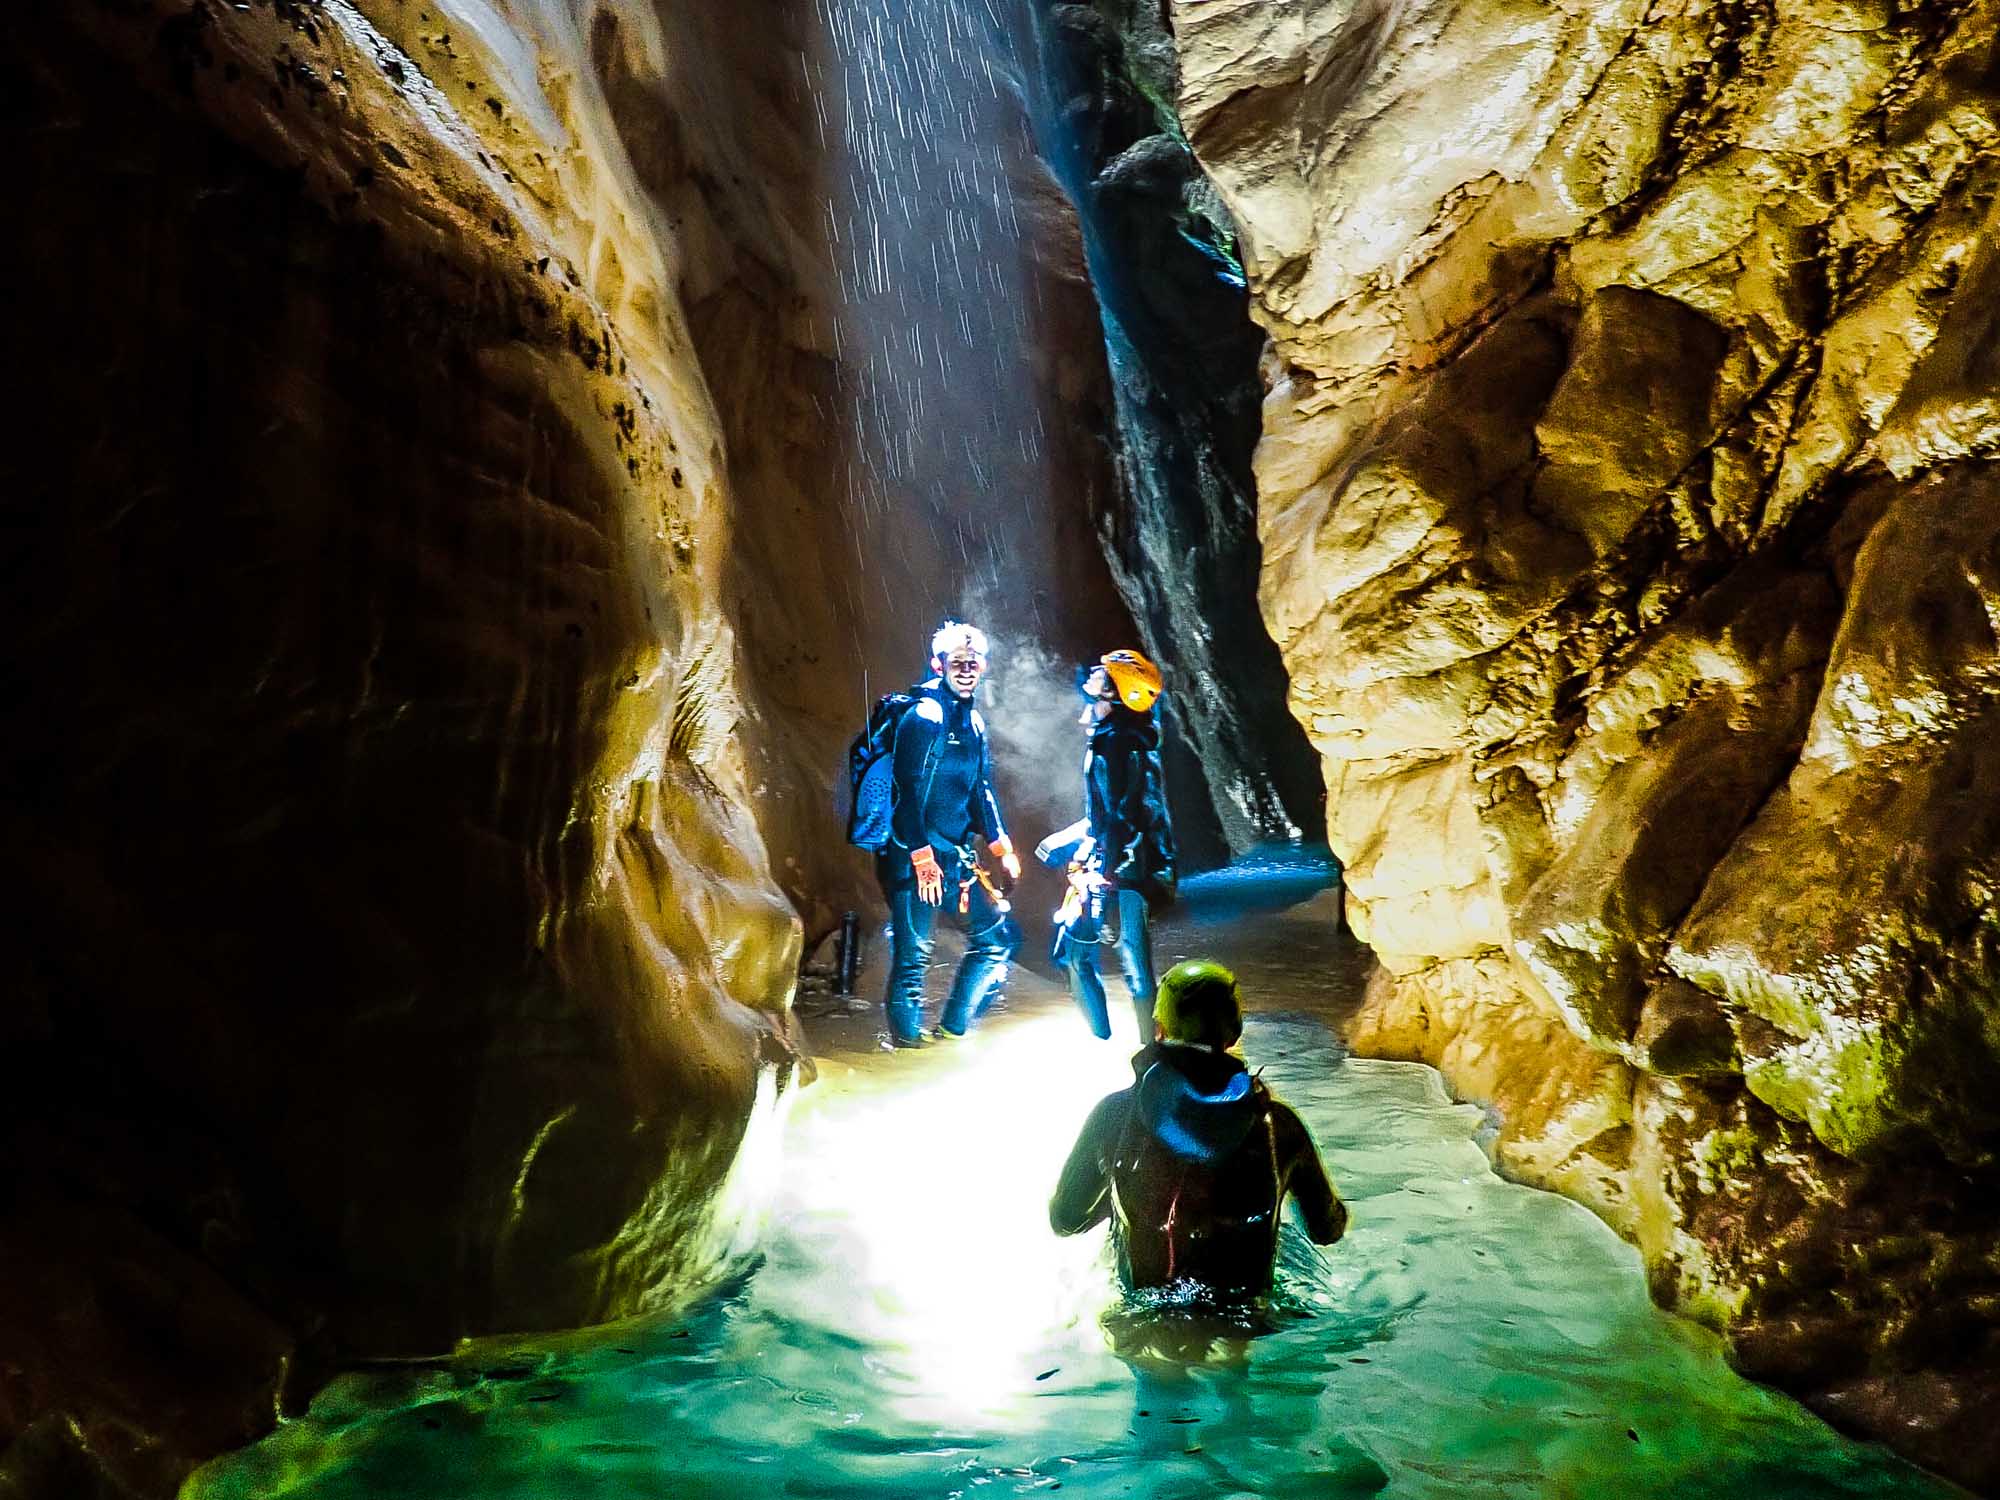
[1121, 853]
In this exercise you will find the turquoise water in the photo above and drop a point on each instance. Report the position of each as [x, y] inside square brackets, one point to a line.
[911, 1329]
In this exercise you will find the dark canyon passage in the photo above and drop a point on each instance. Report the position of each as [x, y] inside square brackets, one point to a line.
[471, 464]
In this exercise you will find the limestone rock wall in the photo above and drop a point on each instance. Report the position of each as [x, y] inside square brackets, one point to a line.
[770, 138]
[1626, 496]
[439, 604]
[391, 954]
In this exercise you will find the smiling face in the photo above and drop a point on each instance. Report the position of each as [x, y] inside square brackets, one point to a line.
[961, 670]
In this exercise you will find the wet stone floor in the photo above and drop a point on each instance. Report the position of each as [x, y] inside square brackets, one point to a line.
[910, 1328]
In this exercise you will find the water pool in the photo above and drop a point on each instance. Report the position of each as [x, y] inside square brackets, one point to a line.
[910, 1328]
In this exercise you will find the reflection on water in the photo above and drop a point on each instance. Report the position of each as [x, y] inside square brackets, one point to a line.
[913, 1329]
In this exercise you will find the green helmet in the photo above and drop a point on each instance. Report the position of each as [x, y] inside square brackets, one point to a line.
[1197, 1002]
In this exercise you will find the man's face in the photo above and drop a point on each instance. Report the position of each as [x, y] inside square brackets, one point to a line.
[1097, 690]
[962, 670]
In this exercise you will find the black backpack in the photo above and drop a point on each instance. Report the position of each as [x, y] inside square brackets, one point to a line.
[871, 772]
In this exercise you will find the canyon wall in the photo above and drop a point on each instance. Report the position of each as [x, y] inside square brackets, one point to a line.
[393, 955]
[887, 298]
[1180, 529]
[1626, 491]
[447, 564]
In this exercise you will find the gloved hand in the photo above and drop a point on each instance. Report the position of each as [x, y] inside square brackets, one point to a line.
[1002, 849]
[930, 879]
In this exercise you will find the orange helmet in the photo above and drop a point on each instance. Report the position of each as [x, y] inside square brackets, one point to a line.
[1137, 680]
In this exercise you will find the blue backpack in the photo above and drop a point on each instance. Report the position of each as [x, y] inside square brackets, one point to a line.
[871, 773]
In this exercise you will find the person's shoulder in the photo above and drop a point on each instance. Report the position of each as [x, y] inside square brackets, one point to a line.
[928, 709]
[1286, 1119]
[1111, 1108]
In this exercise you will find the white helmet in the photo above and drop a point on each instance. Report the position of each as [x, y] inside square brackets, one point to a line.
[956, 635]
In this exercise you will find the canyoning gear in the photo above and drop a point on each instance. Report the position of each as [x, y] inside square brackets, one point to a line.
[943, 779]
[930, 879]
[871, 771]
[995, 892]
[1198, 1002]
[1079, 921]
[1134, 945]
[1125, 802]
[956, 635]
[1123, 844]
[1192, 1165]
[1002, 849]
[1136, 680]
[994, 940]
[1066, 846]
[943, 803]
[872, 787]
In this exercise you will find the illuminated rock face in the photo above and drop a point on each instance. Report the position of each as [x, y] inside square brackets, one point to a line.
[1628, 529]
[391, 953]
[438, 589]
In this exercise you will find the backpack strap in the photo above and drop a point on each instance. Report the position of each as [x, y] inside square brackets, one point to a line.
[921, 700]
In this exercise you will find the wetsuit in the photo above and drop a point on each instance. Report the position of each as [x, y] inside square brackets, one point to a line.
[1125, 802]
[944, 799]
[1191, 1165]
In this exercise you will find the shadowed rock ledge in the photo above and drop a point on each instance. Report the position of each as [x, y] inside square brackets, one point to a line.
[1627, 500]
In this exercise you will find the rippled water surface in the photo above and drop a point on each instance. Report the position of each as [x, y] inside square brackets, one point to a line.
[913, 1330]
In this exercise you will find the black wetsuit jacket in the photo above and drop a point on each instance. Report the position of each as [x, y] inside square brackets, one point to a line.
[1125, 798]
[944, 784]
[1192, 1164]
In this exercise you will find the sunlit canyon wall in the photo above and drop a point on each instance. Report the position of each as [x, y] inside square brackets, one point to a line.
[445, 562]
[1629, 526]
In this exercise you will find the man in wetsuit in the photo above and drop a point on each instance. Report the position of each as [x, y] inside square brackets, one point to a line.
[944, 810]
[1193, 1162]
[1125, 857]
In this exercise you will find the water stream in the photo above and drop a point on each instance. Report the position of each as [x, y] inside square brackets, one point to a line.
[912, 1329]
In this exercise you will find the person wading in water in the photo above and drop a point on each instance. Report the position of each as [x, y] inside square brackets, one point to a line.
[1193, 1162]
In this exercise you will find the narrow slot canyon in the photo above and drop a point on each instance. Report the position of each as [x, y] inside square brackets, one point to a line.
[476, 465]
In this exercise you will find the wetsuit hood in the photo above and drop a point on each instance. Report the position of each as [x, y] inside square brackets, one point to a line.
[1196, 1102]
[1121, 721]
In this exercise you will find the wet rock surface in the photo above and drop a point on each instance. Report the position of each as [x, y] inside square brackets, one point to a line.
[391, 954]
[1180, 528]
[1622, 490]
[443, 588]
[874, 489]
